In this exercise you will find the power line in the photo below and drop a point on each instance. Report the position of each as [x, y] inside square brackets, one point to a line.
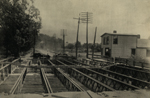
[86, 18]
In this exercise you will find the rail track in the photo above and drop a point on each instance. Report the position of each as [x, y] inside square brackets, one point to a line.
[47, 80]
[112, 79]
[64, 75]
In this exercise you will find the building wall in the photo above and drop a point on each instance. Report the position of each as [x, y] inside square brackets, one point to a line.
[142, 46]
[143, 43]
[124, 46]
[105, 46]
[141, 53]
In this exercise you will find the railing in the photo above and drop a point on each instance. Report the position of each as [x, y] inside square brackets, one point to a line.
[18, 84]
[136, 73]
[96, 55]
[131, 80]
[124, 61]
[15, 63]
[111, 82]
[4, 72]
[95, 62]
[132, 62]
[5, 59]
[65, 79]
[90, 82]
[70, 84]
[7, 69]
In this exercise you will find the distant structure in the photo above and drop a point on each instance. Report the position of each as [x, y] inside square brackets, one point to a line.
[119, 45]
[143, 49]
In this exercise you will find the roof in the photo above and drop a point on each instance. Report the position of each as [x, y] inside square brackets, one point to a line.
[143, 43]
[120, 34]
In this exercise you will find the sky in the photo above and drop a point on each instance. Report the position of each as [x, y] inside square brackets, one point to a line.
[124, 16]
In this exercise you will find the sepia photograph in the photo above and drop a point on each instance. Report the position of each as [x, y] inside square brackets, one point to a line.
[74, 48]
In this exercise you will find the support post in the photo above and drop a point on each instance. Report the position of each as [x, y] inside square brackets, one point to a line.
[77, 38]
[87, 51]
[94, 43]
[63, 42]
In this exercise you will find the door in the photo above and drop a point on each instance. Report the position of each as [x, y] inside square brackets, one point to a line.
[107, 52]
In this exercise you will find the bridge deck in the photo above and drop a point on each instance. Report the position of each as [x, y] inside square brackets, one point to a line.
[8, 83]
[33, 82]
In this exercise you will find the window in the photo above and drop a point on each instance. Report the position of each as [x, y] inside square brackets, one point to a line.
[148, 53]
[132, 51]
[104, 41]
[107, 40]
[115, 39]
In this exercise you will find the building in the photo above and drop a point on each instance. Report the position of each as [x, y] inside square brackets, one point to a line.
[119, 45]
[143, 49]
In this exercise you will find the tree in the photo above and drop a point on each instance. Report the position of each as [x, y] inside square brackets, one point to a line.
[20, 23]
[79, 44]
[98, 47]
[70, 46]
[49, 42]
[90, 45]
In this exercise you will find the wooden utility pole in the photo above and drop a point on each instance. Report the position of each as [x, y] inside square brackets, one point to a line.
[86, 18]
[63, 42]
[55, 42]
[87, 46]
[94, 43]
[63, 34]
[77, 37]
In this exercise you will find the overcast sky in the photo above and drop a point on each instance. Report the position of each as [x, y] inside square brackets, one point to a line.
[124, 16]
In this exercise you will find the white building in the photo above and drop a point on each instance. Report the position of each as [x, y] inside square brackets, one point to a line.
[143, 49]
[119, 45]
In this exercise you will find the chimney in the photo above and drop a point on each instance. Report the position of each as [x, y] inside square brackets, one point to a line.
[114, 31]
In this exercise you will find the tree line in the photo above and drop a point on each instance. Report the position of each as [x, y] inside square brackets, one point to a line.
[49, 42]
[82, 47]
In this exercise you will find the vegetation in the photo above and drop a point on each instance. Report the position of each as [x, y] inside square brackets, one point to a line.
[83, 47]
[52, 43]
[49, 42]
[19, 22]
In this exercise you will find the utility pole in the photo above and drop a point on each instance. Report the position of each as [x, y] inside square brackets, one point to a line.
[94, 43]
[77, 37]
[86, 18]
[55, 42]
[63, 34]
[63, 42]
